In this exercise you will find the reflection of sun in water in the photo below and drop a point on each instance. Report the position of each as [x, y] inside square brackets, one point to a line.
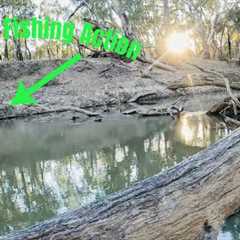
[186, 131]
[194, 129]
[178, 42]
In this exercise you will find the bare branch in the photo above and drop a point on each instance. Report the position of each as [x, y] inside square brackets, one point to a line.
[82, 4]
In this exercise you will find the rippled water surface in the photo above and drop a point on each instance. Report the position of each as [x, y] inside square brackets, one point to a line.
[46, 169]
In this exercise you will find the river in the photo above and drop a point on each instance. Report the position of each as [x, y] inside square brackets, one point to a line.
[47, 169]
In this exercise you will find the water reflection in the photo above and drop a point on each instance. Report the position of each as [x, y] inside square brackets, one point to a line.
[45, 170]
[196, 129]
[231, 228]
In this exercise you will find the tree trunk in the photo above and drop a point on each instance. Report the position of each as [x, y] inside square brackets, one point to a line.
[238, 53]
[229, 46]
[211, 42]
[6, 56]
[166, 13]
[189, 201]
[49, 53]
[221, 50]
[206, 50]
[18, 50]
[29, 55]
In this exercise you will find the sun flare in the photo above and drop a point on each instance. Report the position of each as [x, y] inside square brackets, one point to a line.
[179, 42]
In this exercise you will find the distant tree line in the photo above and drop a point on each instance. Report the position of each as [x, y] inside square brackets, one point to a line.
[215, 25]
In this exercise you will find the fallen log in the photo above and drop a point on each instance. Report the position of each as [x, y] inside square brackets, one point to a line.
[228, 110]
[143, 98]
[156, 64]
[199, 83]
[49, 111]
[189, 201]
[219, 80]
[227, 83]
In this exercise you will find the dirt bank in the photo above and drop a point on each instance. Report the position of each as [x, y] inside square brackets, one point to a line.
[110, 83]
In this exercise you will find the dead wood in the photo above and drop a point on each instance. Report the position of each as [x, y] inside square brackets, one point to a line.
[144, 97]
[130, 111]
[152, 113]
[226, 81]
[143, 111]
[185, 84]
[161, 111]
[82, 3]
[228, 110]
[218, 108]
[189, 201]
[49, 111]
[230, 121]
[156, 64]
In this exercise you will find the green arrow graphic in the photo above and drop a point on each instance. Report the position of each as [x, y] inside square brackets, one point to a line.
[24, 95]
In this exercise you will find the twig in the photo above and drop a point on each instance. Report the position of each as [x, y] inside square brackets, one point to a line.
[106, 69]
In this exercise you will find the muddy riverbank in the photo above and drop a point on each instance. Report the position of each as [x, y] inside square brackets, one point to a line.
[103, 84]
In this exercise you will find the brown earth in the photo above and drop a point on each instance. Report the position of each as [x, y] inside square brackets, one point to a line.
[111, 83]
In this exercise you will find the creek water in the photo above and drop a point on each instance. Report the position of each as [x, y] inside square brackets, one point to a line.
[47, 169]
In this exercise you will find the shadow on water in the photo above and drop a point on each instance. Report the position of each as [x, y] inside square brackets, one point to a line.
[48, 169]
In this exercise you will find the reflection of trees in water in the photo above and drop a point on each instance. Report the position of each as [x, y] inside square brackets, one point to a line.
[22, 191]
[36, 192]
[129, 161]
[198, 129]
[42, 189]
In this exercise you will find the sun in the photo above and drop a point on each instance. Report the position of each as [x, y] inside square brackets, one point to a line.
[179, 42]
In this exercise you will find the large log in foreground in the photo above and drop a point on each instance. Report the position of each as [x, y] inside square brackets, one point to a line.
[189, 201]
